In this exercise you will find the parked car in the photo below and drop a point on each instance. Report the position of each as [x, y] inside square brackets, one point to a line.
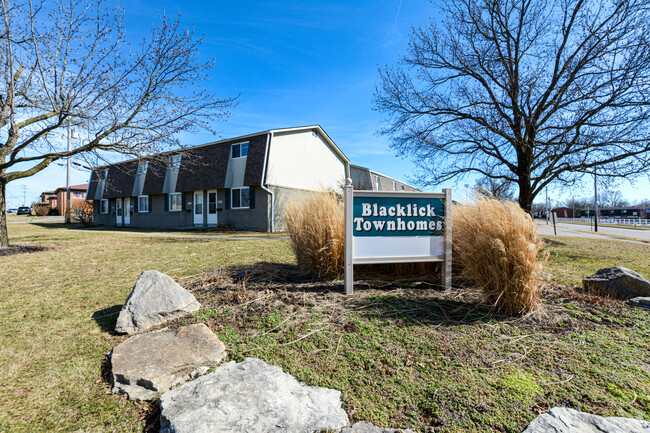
[23, 210]
[12, 210]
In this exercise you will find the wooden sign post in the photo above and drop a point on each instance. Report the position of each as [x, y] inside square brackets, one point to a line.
[396, 227]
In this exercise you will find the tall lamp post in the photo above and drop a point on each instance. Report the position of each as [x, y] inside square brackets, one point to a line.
[595, 202]
[72, 133]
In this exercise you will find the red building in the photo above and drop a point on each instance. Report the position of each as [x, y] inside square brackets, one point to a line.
[57, 199]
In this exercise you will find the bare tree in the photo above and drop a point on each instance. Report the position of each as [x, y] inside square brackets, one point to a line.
[612, 198]
[69, 63]
[498, 188]
[528, 91]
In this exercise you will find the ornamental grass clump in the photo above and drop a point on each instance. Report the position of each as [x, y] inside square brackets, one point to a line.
[497, 248]
[316, 226]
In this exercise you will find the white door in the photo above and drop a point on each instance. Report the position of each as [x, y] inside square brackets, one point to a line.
[212, 208]
[127, 211]
[198, 208]
[118, 211]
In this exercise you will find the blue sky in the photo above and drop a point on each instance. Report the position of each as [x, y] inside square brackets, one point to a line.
[294, 63]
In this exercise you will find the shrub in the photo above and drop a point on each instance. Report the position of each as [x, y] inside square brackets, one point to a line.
[317, 229]
[82, 211]
[40, 209]
[496, 246]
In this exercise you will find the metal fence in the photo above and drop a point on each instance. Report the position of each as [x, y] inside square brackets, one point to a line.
[605, 220]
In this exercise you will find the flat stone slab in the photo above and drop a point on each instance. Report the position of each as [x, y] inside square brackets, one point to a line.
[565, 420]
[365, 427]
[617, 282]
[154, 300]
[146, 365]
[641, 301]
[251, 397]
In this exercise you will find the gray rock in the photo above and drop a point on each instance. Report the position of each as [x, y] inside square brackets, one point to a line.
[365, 427]
[617, 282]
[155, 299]
[565, 420]
[146, 365]
[641, 301]
[251, 397]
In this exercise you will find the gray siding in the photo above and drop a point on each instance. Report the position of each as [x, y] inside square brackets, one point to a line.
[256, 219]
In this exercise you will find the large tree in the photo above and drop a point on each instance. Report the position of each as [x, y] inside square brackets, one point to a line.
[527, 91]
[68, 62]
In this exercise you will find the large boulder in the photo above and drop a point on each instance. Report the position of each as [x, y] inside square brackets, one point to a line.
[155, 299]
[251, 397]
[148, 364]
[617, 282]
[565, 420]
[364, 427]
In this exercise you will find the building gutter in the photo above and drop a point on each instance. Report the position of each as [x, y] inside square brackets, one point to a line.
[266, 155]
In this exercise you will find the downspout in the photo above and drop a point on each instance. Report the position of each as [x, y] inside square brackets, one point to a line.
[266, 155]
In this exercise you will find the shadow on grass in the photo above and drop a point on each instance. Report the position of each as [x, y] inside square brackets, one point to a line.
[413, 299]
[107, 317]
[21, 249]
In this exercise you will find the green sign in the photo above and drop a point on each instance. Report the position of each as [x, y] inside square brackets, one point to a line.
[397, 216]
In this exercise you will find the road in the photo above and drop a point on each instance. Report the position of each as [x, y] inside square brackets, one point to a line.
[29, 219]
[584, 231]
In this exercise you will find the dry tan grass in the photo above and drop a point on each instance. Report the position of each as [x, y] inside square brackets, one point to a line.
[497, 247]
[317, 233]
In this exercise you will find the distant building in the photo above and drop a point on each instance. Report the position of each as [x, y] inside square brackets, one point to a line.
[57, 199]
[366, 179]
[563, 212]
[629, 212]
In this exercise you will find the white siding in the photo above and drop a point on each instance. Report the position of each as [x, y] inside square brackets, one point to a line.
[304, 160]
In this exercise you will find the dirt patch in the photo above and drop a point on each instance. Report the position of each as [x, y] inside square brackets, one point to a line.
[243, 295]
[21, 249]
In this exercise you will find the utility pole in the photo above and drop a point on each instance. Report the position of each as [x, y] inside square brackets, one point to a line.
[24, 187]
[595, 202]
[71, 134]
[547, 207]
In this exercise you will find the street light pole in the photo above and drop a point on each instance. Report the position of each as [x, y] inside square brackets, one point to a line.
[67, 181]
[595, 202]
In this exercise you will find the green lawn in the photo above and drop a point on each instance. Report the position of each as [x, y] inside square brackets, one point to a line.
[402, 355]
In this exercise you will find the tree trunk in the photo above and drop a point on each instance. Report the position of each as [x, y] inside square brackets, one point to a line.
[4, 240]
[525, 195]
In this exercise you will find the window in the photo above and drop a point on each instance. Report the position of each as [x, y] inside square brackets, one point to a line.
[241, 198]
[77, 194]
[174, 163]
[402, 187]
[176, 201]
[212, 202]
[394, 186]
[240, 150]
[103, 206]
[377, 182]
[143, 204]
[142, 167]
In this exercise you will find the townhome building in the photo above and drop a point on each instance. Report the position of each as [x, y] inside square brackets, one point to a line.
[243, 182]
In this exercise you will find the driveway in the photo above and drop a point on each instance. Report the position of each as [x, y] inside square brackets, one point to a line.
[585, 231]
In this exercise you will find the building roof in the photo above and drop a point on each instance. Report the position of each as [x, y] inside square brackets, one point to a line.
[202, 167]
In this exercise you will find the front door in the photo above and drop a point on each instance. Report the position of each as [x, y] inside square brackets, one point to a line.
[127, 211]
[198, 208]
[212, 208]
[118, 211]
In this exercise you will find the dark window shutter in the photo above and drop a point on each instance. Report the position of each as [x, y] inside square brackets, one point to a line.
[251, 197]
[184, 200]
[150, 204]
[166, 202]
[228, 193]
[135, 204]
